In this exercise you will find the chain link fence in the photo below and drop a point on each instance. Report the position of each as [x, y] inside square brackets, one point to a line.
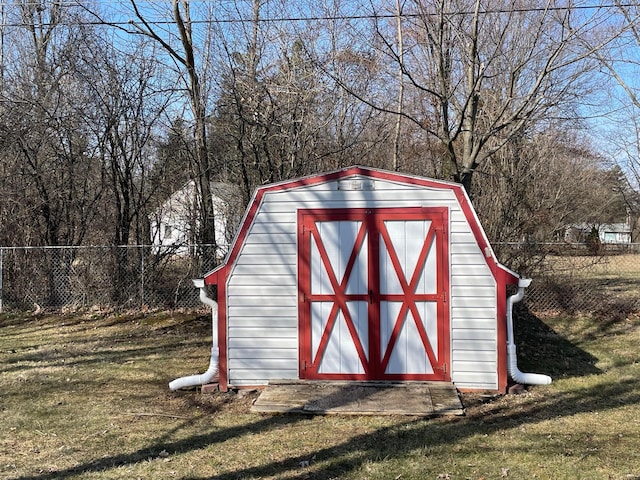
[567, 278]
[128, 277]
[578, 278]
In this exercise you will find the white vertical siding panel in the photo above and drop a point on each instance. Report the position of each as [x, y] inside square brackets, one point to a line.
[340, 355]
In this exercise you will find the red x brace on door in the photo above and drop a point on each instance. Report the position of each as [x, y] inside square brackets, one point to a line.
[373, 294]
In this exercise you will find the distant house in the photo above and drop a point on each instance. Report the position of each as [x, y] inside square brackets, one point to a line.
[607, 232]
[175, 223]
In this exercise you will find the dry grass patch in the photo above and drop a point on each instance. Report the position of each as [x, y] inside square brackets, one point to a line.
[86, 396]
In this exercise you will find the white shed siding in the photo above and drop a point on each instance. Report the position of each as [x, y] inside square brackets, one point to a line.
[262, 329]
[473, 310]
[262, 303]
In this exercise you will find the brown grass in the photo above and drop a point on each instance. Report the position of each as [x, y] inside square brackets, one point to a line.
[85, 396]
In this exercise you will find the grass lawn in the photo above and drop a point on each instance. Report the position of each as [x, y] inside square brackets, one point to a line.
[86, 396]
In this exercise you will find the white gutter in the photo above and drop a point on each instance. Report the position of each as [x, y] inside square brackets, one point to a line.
[512, 359]
[212, 373]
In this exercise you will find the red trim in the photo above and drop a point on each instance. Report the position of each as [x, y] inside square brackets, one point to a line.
[373, 220]
[444, 332]
[304, 278]
[373, 278]
[254, 205]
[501, 337]
[223, 379]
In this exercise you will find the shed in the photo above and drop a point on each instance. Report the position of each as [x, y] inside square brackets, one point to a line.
[362, 274]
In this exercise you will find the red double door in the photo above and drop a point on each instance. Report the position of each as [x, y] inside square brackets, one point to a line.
[373, 294]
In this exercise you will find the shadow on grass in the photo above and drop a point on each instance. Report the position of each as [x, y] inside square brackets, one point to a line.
[389, 442]
[542, 349]
[96, 346]
[399, 440]
[43, 324]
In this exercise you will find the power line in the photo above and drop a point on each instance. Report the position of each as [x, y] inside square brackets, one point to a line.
[321, 18]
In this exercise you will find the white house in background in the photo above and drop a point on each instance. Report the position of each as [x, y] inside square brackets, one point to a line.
[175, 223]
[607, 232]
[615, 233]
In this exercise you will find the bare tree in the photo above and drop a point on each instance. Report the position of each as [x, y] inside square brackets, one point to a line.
[185, 59]
[128, 103]
[532, 190]
[399, 108]
[53, 181]
[55, 176]
[480, 75]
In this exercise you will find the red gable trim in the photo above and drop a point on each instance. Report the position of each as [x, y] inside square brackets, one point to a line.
[218, 275]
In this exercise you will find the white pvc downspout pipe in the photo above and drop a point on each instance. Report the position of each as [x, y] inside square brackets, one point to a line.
[212, 372]
[512, 359]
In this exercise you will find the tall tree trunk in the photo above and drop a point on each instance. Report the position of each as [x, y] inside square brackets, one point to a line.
[396, 137]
